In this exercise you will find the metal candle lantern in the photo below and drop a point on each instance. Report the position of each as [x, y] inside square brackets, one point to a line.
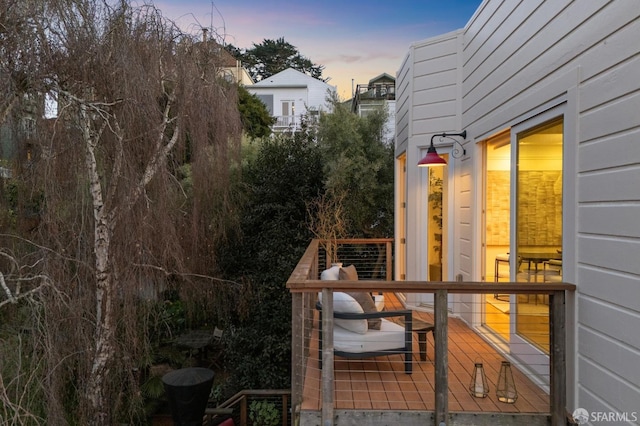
[479, 386]
[506, 388]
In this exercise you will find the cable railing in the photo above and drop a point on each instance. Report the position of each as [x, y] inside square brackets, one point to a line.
[252, 407]
[454, 326]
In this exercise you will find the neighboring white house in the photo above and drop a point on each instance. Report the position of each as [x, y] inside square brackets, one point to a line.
[548, 93]
[291, 94]
[379, 93]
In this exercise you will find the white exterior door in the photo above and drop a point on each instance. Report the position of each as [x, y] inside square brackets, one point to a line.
[435, 219]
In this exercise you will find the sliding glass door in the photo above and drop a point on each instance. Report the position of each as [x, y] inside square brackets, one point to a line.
[497, 217]
[522, 238]
[538, 224]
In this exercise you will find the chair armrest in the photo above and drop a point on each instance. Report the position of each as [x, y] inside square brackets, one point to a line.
[367, 315]
[382, 314]
[406, 313]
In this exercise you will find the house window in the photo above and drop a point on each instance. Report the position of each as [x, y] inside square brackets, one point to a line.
[267, 100]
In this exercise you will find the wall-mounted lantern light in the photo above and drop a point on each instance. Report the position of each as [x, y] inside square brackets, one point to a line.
[433, 159]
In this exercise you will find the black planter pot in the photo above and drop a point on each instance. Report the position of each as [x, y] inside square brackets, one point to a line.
[188, 391]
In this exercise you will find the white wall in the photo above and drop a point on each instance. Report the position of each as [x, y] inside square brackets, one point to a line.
[299, 95]
[426, 95]
[519, 59]
[522, 56]
[307, 92]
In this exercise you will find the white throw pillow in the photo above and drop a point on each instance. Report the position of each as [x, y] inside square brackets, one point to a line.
[331, 274]
[346, 304]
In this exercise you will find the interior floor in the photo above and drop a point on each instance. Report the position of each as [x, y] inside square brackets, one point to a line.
[532, 319]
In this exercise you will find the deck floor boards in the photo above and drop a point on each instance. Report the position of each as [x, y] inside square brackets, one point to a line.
[381, 384]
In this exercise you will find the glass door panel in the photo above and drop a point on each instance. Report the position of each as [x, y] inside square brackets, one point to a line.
[497, 230]
[538, 225]
[435, 214]
[434, 220]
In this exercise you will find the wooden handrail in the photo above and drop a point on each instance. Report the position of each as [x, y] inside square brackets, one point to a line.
[297, 285]
[368, 241]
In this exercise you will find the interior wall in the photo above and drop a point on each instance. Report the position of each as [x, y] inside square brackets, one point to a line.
[540, 208]
[498, 203]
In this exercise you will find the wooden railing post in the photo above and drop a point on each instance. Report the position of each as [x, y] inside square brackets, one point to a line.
[389, 265]
[557, 357]
[243, 410]
[297, 350]
[442, 362]
[285, 417]
[327, 358]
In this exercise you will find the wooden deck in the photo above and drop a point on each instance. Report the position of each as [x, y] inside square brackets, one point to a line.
[381, 383]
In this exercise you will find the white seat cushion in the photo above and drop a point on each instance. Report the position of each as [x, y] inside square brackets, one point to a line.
[390, 336]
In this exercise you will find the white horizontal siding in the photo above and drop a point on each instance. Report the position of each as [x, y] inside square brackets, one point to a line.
[436, 109]
[403, 84]
[611, 83]
[603, 390]
[603, 348]
[433, 49]
[434, 89]
[297, 95]
[438, 64]
[318, 94]
[437, 95]
[427, 89]
[489, 40]
[426, 82]
[615, 150]
[519, 57]
[613, 184]
[612, 253]
[550, 42]
[307, 92]
[609, 287]
[619, 114]
[436, 125]
[608, 242]
[615, 220]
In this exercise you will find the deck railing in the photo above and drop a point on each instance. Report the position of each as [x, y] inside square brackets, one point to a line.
[240, 406]
[305, 285]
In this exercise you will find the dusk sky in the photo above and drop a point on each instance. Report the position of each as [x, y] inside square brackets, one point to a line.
[354, 40]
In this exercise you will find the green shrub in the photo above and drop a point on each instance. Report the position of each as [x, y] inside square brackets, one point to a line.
[264, 413]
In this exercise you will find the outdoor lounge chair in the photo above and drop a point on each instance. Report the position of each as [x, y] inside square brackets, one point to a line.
[356, 336]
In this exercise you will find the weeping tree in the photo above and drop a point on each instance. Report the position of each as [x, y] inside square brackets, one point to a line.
[130, 178]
